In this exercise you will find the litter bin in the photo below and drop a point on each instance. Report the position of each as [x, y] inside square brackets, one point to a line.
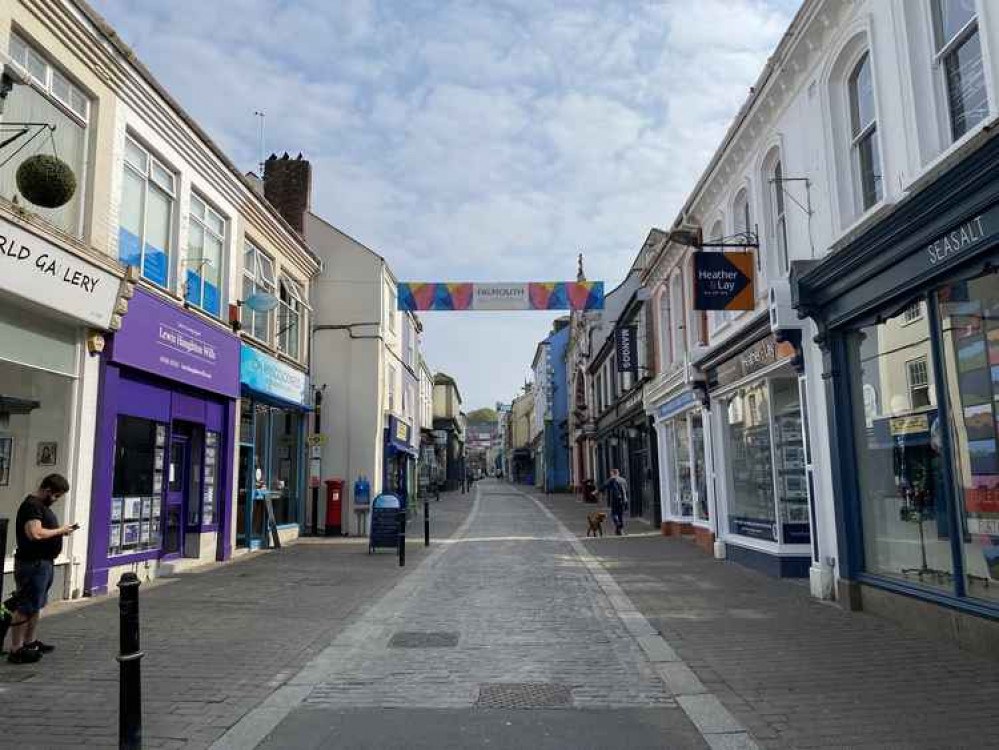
[334, 506]
[386, 522]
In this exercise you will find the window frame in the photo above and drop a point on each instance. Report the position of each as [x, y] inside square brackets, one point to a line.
[911, 387]
[779, 213]
[46, 86]
[223, 252]
[151, 183]
[251, 276]
[294, 306]
[942, 50]
[665, 330]
[861, 134]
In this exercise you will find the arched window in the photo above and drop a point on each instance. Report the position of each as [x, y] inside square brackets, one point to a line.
[742, 218]
[777, 221]
[665, 332]
[865, 153]
[677, 314]
[717, 318]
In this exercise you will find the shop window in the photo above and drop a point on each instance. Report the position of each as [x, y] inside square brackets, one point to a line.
[903, 505]
[137, 488]
[682, 501]
[285, 461]
[969, 316]
[866, 157]
[53, 99]
[752, 511]
[205, 242]
[290, 319]
[145, 227]
[258, 278]
[790, 460]
[35, 418]
[959, 57]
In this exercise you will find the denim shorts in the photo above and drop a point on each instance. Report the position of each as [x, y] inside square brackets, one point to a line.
[33, 579]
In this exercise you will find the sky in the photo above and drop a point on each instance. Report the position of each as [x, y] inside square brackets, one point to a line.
[471, 140]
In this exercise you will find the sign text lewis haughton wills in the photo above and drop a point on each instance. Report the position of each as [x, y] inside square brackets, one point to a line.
[956, 241]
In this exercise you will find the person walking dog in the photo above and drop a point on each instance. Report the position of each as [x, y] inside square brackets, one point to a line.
[39, 542]
[615, 491]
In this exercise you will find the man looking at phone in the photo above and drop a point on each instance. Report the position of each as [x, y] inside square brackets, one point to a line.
[39, 542]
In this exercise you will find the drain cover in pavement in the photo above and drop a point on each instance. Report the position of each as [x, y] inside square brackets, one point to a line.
[417, 639]
[524, 695]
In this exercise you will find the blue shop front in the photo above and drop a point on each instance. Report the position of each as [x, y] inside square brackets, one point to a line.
[273, 421]
[401, 451]
[908, 314]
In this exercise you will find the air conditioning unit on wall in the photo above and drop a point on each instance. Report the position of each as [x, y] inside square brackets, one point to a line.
[782, 315]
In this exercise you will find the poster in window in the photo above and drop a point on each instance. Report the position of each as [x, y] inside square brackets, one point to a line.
[154, 531]
[978, 422]
[157, 484]
[116, 507]
[158, 463]
[133, 508]
[130, 535]
[147, 508]
[6, 458]
[114, 539]
[160, 435]
[144, 533]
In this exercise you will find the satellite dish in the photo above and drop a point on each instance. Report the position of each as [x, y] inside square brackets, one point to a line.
[261, 302]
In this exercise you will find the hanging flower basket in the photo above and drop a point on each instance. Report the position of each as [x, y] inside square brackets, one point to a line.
[46, 181]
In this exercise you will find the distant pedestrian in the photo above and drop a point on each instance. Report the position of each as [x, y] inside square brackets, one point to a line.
[615, 491]
[39, 542]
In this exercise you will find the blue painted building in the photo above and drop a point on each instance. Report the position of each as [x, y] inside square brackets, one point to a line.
[557, 428]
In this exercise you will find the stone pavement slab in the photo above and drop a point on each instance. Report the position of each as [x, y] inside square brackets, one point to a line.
[796, 672]
[217, 642]
[530, 619]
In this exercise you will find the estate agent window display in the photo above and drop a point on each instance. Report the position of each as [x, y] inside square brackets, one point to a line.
[929, 494]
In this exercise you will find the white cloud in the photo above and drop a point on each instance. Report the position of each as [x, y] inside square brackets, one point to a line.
[465, 139]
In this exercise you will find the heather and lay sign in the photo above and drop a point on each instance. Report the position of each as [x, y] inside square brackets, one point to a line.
[724, 281]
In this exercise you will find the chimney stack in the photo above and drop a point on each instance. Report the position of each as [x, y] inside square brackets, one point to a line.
[288, 187]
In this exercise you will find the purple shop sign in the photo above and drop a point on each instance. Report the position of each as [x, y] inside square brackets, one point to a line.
[166, 340]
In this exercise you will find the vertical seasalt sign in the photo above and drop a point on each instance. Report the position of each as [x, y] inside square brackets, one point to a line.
[626, 338]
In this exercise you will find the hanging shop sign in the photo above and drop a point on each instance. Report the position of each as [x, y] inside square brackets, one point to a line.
[724, 281]
[271, 377]
[159, 337]
[765, 352]
[542, 295]
[626, 339]
[41, 272]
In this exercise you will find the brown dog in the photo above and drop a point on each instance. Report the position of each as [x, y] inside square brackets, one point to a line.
[596, 521]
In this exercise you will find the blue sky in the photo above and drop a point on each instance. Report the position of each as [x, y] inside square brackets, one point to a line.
[468, 140]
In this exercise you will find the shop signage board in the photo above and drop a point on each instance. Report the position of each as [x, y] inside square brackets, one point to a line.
[626, 340]
[915, 424]
[531, 295]
[268, 376]
[676, 405]
[162, 338]
[39, 271]
[972, 234]
[758, 356]
[724, 281]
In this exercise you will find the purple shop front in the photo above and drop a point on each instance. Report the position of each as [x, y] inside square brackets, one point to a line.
[165, 439]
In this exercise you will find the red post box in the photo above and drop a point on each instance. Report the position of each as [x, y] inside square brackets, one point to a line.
[334, 506]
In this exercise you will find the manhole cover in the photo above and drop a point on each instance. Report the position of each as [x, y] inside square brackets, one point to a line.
[417, 639]
[524, 695]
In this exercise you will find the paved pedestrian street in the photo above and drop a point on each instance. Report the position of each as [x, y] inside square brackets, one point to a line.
[512, 630]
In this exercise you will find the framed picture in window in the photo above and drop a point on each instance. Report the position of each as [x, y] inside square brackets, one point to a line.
[144, 533]
[47, 454]
[6, 459]
[147, 508]
[114, 540]
[160, 435]
[117, 503]
[130, 534]
[157, 484]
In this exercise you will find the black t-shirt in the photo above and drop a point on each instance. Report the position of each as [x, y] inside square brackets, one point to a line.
[33, 509]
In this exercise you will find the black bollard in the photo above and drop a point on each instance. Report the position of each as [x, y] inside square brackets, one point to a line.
[426, 522]
[402, 539]
[130, 685]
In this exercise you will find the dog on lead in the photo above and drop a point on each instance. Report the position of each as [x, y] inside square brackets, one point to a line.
[596, 521]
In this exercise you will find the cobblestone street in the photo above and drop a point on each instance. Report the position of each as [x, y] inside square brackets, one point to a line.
[513, 630]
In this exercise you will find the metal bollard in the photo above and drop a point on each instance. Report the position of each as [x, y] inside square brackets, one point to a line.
[426, 522]
[402, 540]
[130, 684]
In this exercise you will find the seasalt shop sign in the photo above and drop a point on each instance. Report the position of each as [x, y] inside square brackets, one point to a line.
[39, 271]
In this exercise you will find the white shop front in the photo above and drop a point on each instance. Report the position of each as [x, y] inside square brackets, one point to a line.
[56, 301]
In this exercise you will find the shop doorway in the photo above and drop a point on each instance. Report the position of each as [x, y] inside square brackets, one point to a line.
[176, 495]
